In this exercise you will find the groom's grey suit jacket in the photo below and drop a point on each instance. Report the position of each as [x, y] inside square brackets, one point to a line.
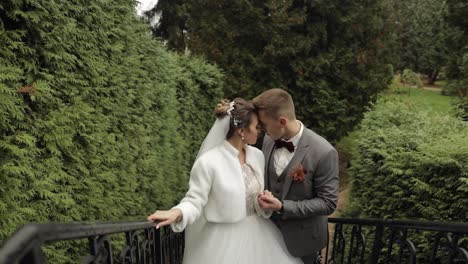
[307, 203]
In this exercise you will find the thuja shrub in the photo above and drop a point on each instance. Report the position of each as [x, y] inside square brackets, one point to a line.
[409, 164]
[98, 121]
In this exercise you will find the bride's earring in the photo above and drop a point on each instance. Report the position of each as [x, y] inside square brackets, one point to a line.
[240, 134]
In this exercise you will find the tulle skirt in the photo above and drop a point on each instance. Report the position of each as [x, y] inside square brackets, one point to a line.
[253, 240]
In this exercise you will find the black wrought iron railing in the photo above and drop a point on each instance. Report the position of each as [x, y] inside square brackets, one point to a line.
[143, 243]
[351, 241]
[396, 241]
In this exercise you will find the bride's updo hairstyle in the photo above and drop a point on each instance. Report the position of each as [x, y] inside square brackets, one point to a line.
[240, 110]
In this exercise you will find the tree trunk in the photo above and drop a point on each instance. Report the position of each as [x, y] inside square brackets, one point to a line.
[432, 77]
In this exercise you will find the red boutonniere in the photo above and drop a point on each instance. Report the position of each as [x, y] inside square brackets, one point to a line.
[298, 173]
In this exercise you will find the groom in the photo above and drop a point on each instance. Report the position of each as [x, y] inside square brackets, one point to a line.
[301, 173]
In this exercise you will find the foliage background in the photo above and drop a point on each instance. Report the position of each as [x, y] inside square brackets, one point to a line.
[409, 164]
[457, 65]
[332, 56]
[99, 122]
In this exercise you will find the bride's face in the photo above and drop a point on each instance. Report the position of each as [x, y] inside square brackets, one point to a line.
[252, 132]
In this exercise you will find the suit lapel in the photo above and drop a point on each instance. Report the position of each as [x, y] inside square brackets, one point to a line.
[268, 153]
[296, 159]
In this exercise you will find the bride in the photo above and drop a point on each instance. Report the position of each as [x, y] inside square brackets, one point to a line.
[223, 221]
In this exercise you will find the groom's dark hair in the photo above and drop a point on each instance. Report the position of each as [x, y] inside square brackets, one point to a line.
[275, 102]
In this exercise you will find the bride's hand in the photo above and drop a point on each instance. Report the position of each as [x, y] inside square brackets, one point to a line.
[165, 217]
[265, 193]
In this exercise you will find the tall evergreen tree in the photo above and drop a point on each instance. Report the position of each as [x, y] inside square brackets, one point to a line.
[170, 24]
[331, 55]
[457, 66]
[422, 37]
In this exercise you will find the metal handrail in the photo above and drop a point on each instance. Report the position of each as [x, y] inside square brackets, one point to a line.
[413, 224]
[385, 234]
[31, 234]
[25, 245]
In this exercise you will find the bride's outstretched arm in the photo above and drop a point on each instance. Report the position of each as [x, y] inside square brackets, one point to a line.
[192, 204]
[196, 197]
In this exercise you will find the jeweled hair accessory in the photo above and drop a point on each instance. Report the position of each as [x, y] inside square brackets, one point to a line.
[235, 121]
[231, 107]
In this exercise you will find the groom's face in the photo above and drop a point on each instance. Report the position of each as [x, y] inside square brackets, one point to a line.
[272, 126]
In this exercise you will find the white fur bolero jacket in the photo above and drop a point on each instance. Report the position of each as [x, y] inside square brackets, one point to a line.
[216, 187]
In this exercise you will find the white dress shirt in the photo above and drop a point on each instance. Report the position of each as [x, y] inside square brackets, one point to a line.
[282, 156]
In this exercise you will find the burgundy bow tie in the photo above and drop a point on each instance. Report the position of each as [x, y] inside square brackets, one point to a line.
[281, 143]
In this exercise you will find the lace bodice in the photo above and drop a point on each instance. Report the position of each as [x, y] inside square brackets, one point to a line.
[252, 188]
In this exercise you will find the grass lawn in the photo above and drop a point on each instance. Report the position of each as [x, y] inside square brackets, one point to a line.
[429, 100]
[440, 83]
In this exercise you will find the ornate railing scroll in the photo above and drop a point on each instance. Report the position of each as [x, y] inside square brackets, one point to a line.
[143, 244]
[396, 241]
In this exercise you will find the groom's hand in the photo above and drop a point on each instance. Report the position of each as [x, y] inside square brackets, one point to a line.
[269, 202]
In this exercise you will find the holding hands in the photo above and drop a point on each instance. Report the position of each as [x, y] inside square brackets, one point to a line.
[165, 217]
[268, 201]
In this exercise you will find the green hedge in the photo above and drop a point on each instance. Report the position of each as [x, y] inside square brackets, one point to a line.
[98, 122]
[409, 164]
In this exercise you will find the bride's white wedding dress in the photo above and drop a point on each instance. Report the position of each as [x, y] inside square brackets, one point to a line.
[252, 240]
